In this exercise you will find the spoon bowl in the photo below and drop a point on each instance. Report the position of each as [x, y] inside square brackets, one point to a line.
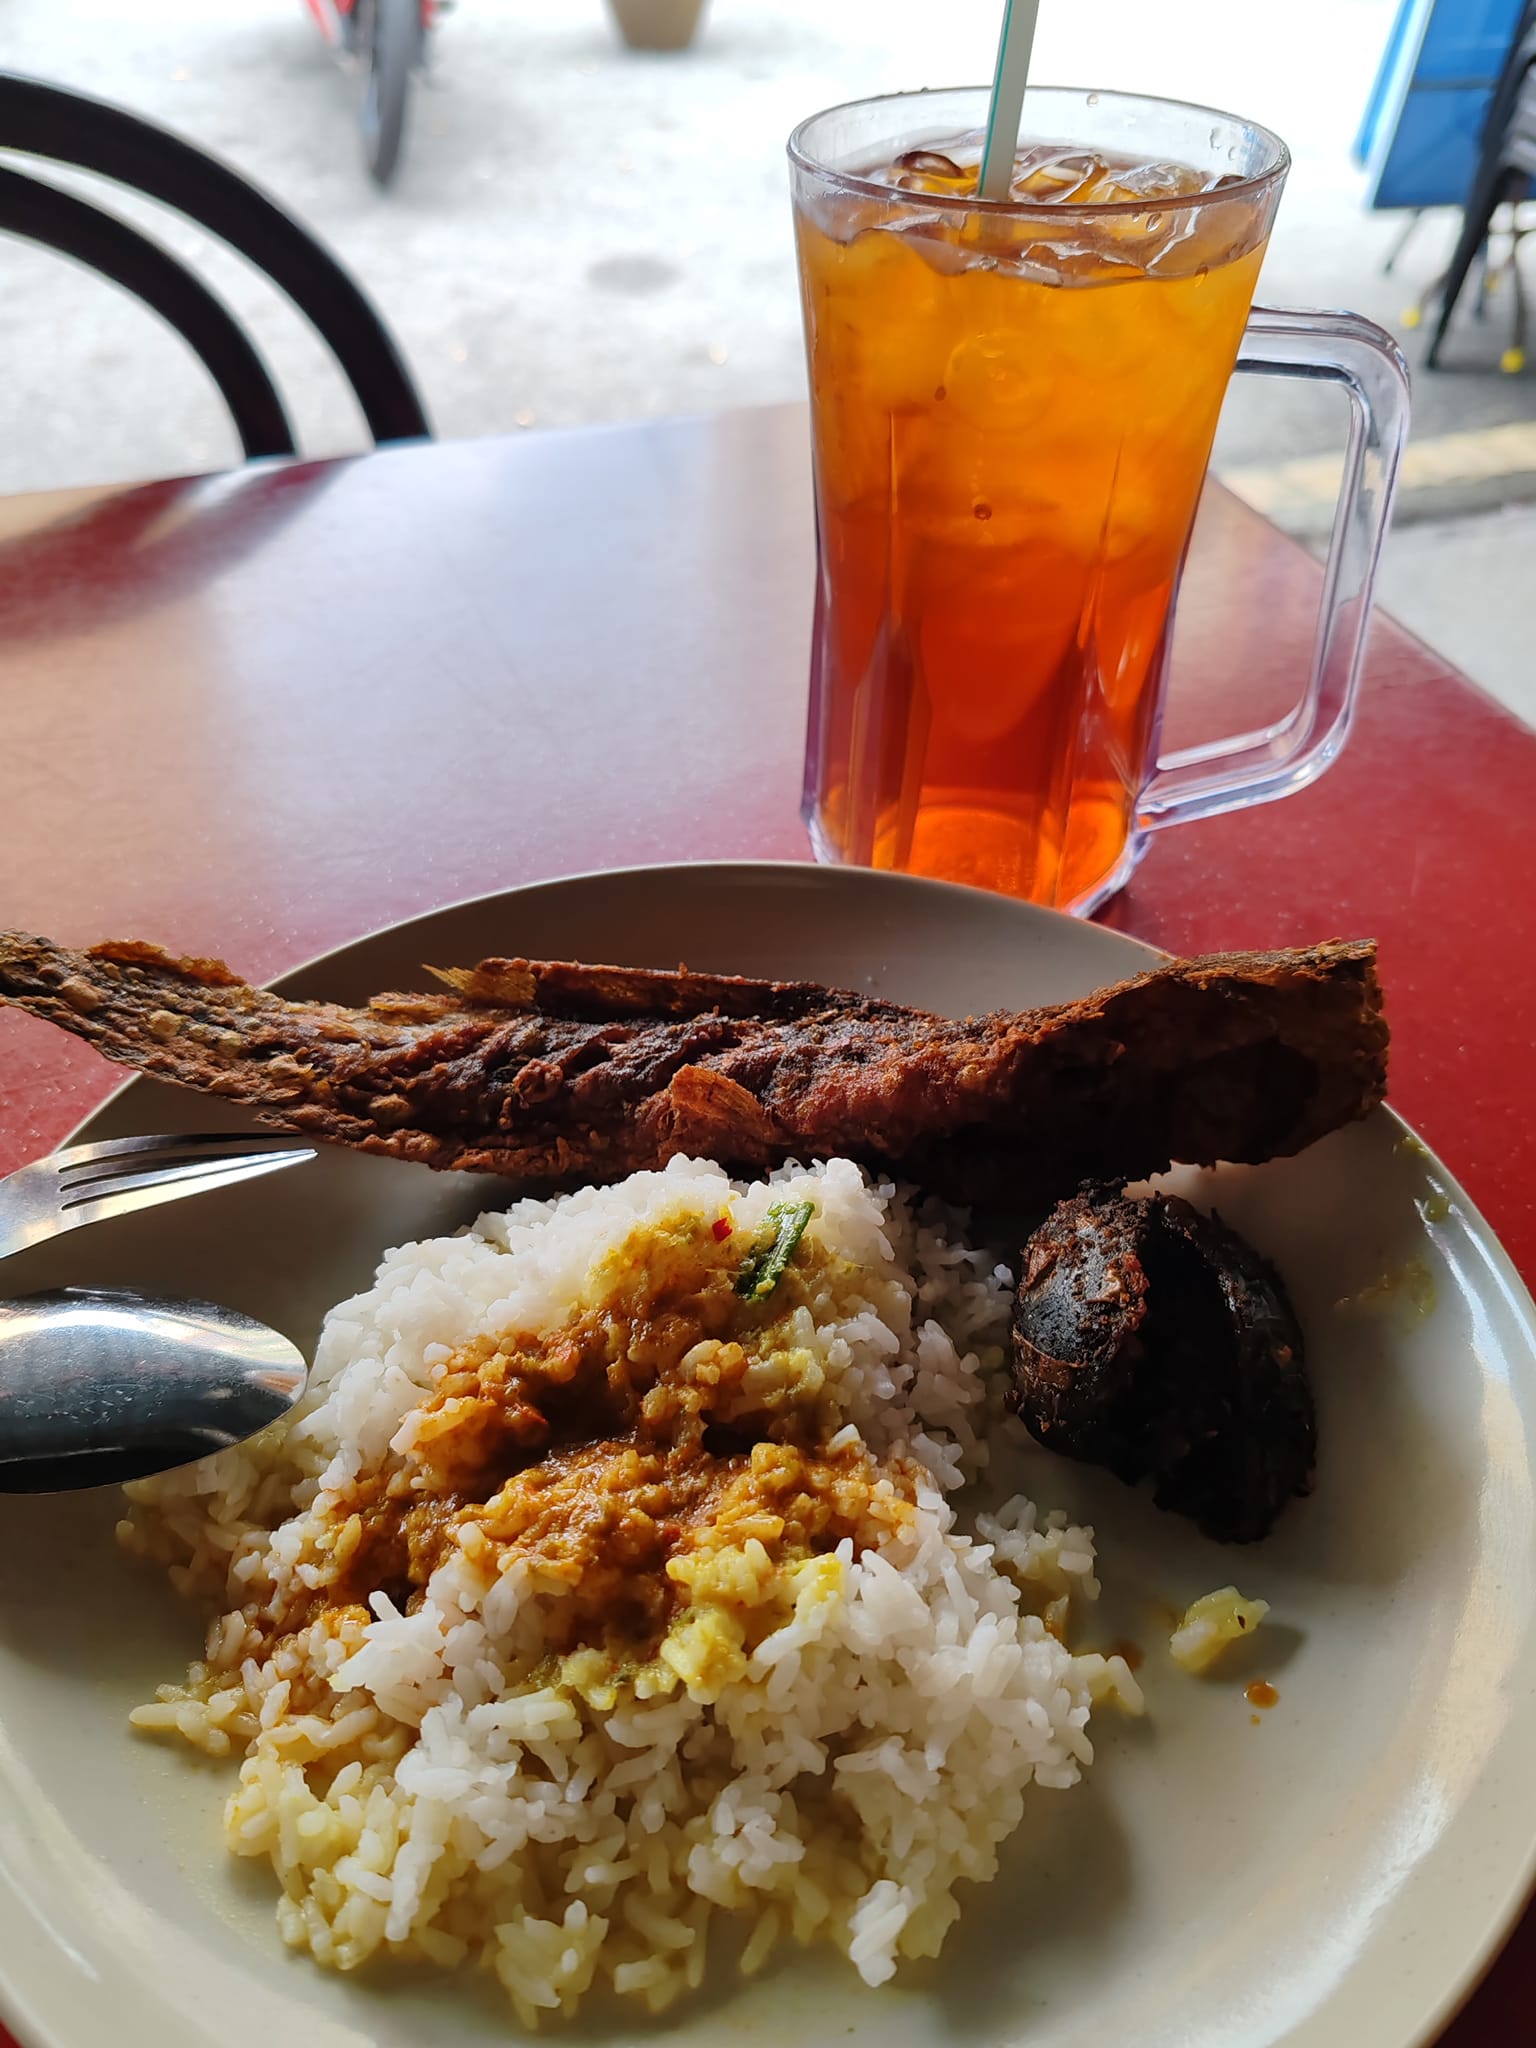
[102, 1385]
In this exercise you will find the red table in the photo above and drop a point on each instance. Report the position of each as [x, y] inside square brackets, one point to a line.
[260, 714]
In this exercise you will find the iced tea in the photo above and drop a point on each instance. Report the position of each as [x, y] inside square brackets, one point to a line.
[1013, 411]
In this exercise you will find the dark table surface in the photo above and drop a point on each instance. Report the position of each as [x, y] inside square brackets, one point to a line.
[257, 715]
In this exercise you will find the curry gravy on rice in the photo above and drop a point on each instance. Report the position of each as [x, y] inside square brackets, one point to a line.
[628, 1458]
[604, 1587]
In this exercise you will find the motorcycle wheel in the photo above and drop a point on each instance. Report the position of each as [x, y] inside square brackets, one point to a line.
[389, 35]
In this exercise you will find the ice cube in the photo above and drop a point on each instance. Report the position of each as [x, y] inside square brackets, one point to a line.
[928, 163]
[1083, 260]
[943, 165]
[1000, 379]
[840, 218]
[1057, 176]
[932, 237]
[1150, 181]
[1203, 238]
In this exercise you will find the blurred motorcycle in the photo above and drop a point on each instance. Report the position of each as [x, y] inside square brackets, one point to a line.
[387, 40]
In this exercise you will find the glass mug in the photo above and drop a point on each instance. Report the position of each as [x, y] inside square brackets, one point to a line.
[1013, 404]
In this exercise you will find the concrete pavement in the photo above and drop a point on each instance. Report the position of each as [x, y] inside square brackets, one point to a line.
[1464, 585]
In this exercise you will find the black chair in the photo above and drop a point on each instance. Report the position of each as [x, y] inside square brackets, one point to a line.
[90, 135]
[1506, 165]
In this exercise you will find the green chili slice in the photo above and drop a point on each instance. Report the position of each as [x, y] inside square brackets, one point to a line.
[764, 1266]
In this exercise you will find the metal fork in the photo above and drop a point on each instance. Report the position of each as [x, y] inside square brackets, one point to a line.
[88, 1183]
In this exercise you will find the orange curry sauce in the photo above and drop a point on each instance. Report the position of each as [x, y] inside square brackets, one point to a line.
[615, 1450]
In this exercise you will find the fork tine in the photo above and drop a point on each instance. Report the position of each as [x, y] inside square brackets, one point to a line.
[104, 1173]
[147, 1191]
[195, 1173]
[190, 1145]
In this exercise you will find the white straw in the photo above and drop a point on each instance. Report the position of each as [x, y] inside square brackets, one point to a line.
[1007, 110]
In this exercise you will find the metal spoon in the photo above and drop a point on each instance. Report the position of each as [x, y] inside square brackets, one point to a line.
[98, 1386]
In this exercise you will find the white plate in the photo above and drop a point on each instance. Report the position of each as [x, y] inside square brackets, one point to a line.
[1336, 1874]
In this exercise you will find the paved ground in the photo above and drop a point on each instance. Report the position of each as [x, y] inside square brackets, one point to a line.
[581, 234]
[1464, 585]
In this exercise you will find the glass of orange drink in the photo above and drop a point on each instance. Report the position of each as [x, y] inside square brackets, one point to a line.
[1013, 406]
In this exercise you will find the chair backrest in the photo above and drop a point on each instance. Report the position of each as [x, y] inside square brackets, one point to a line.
[66, 127]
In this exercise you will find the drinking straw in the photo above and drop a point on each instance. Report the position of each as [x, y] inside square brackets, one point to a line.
[1013, 51]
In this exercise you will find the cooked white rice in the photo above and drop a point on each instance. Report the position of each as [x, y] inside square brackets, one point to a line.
[824, 1745]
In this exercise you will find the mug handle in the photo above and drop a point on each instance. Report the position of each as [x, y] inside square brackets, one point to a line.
[1256, 767]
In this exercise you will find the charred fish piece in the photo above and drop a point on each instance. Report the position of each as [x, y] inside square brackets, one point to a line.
[1155, 1341]
[553, 1073]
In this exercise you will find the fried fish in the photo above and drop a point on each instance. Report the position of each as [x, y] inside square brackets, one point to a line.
[552, 1074]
